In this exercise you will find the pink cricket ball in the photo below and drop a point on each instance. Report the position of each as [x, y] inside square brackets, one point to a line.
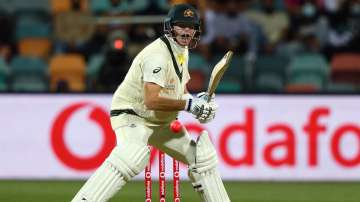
[176, 126]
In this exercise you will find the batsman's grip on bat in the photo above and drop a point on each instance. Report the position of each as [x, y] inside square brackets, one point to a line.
[211, 100]
[199, 106]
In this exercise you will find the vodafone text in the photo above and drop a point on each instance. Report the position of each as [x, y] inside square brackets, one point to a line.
[301, 143]
[312, 132]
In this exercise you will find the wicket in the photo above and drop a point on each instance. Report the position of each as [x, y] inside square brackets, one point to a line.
[162, 181]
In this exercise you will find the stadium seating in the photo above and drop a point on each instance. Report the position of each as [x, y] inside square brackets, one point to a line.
[229, 86]
[32, 25]
[59, 6]
[6, 5]
[276, 64]
[163, 5]
[100, 7]
[43, 47]
[33, 5]
[310, 79]
[40, 28]
[197, 62]
[345, 68]
[269, 82]
[93, 67]
[340, 88]
[236, 69]
[197, 81]
[233, 79]
[28, 74]
[300, 88]
[270, 72]
[4, 74]
[68, 68]
[309, 69]
[13, 6]
[7, 26]
[125, 6]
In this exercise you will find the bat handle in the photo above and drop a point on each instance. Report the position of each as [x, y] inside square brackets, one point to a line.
[207, 97]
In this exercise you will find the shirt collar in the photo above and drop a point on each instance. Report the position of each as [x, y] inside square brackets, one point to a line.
[175, 46]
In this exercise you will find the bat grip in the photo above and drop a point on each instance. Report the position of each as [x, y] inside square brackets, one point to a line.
[207, 97]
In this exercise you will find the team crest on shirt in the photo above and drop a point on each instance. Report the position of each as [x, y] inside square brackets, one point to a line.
[181, 59]
[189, 13]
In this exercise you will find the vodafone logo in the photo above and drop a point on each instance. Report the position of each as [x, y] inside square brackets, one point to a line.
[97, 115]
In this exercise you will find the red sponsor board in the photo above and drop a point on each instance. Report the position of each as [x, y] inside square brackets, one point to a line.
[257, 137]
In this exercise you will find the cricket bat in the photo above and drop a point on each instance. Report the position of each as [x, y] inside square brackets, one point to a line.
[218, 72]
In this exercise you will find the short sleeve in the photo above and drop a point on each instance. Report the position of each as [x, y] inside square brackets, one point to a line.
[155, 69]
[186, 76]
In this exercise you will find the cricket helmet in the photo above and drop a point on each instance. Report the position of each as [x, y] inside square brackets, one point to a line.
[186, 15]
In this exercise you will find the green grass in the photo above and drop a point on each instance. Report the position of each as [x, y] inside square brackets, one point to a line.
[62, 191]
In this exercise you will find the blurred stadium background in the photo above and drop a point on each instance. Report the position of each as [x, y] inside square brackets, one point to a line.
[285, 50]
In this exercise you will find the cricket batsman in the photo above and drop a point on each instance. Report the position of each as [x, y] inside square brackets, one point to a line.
[143, 107]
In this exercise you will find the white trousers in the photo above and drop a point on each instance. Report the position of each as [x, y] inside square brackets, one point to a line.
[179, 146]
[126, 162]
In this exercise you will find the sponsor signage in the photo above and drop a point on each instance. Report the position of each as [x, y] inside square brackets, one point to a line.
[257, 137]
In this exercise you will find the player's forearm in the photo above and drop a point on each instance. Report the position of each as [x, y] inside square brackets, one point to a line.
[165, 104]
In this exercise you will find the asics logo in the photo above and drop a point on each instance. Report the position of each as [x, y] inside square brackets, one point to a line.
[156, 70]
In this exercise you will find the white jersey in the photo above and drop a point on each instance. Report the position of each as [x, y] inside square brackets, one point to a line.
[153, 64]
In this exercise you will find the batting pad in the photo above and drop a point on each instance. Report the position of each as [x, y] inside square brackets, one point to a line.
[205, 178]
[121, 165]
[205, 156]
[102, 185]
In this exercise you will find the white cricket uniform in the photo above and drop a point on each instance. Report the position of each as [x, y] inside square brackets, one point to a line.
[153, 64]
[137, 127]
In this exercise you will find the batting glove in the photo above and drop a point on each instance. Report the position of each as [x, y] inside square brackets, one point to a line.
[213, 105]
[198, 107]
[205, 96]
